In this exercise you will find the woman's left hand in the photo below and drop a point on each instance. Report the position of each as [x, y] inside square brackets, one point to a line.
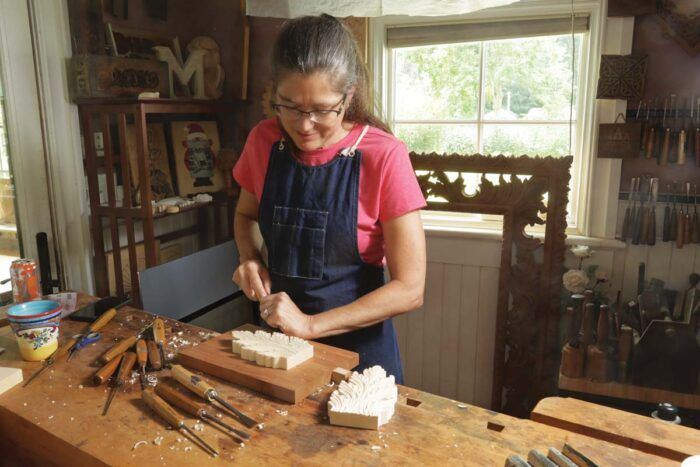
[279, 311]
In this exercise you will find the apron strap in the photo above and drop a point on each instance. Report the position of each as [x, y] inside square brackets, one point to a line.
[350, 152]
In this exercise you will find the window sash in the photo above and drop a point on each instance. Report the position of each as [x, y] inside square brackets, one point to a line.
[436, 34]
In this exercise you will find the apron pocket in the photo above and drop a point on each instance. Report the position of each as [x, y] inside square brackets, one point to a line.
[298, 242]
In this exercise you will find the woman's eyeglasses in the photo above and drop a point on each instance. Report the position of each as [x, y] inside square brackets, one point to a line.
[317, 116]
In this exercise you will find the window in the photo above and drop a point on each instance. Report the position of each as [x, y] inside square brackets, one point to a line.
[500, 83]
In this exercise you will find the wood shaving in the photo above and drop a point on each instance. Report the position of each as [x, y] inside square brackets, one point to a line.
[158, 440]
[198, 426]
[260, 426]
[139, 443]
[188, 448]
[282, 412]
[376, 448]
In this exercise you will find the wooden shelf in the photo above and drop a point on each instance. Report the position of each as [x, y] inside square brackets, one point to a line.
[164, 106]
[630, 392]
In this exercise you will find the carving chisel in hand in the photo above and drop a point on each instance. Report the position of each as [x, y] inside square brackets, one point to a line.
[123, 345]
[125, 366]
[190, 407]
[68, 344]
[163, 409]
[200, 387]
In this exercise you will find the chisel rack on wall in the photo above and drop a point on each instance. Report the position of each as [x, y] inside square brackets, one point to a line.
[665, 168]
[678, 221]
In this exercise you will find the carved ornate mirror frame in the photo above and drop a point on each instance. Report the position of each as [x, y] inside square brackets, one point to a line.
[529, 284]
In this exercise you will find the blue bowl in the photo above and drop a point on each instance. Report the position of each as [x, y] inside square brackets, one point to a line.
[34, 311]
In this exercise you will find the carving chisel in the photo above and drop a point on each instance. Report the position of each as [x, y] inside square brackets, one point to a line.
[125, 366]
[651, 232]
[163, 409]
[154, 356]
[142, 358]
[695, 235]
[626, 221]
[681, 140]
[640, 218]
[666, 228]
[68, 344]
[652, 135]
[665, 138]
[687, 224]
[200, 387]
[673, 218]
[191, 407]
[680, 232]
[697, 132]
[673, 134]
[159, 338]
[123, 345]
[577, 457]
[106, 372]
[645, 123]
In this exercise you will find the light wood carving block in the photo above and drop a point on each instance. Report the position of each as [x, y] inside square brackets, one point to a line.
[516, 461]
[366, 400]
[340, 374]
[9, 378]
[273, 350]
[560, 459]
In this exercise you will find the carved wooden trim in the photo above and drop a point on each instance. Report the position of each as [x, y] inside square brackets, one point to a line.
[529, 288]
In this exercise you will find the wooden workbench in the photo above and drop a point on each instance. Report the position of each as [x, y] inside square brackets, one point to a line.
[56, 421]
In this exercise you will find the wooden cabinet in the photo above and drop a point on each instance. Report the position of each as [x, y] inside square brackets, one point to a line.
[111, 119]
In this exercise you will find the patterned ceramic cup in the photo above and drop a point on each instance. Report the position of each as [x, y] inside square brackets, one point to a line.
[35, 325]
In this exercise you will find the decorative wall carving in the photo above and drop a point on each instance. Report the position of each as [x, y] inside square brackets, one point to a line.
[529, 282]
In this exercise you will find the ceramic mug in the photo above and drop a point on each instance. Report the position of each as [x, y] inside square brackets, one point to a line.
[35, 325]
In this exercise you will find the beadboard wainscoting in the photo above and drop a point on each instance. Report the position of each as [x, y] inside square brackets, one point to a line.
[447, 345]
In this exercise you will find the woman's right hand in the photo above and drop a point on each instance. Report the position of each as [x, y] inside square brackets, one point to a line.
[253, 278]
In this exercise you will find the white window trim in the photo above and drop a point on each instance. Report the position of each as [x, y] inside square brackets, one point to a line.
[586, 111]
[49, 173]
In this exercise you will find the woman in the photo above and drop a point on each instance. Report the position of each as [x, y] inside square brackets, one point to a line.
[333, 194]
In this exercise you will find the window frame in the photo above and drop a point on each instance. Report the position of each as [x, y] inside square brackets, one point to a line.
[584, 150]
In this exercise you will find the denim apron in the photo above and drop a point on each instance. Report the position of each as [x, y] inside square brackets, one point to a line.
[308, 219]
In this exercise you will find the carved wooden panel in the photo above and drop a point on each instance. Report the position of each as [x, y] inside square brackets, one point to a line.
[526, 354]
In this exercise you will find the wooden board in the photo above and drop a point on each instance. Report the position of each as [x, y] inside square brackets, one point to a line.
[56, 421]
[216, 358]
[634, 431]
[630, 392]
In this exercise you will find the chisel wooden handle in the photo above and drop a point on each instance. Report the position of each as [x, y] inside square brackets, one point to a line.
[174, 397]
[663, 160]
[651, 137]
[154, 356]
[162, 408]
[651, 235]
[681, 147]
[141, 353]
[680, 232]
[118, 348]
[126, 366]
[65, 348]
[104, 373]
[102, 321]
[159, 331]
[191, 381]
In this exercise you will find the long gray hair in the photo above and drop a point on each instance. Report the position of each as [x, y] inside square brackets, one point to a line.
[313, 44]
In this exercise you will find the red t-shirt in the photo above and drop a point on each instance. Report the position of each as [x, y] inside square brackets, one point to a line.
[388, 186]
